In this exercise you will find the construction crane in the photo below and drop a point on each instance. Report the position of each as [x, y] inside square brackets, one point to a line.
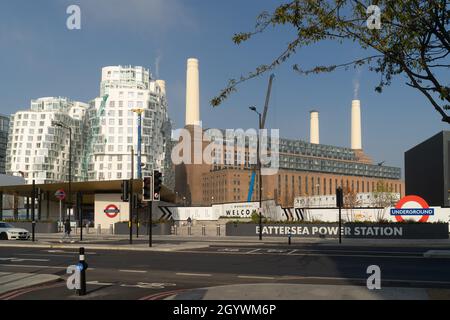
[262, 125]
[93, 136]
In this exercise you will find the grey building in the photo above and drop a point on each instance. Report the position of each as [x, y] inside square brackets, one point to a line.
[427, 170]
[4, 129]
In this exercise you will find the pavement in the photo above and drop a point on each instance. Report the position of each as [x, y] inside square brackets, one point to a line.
[307, 292]
[13, 282]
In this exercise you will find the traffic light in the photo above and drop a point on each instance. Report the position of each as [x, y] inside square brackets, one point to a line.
[147, 189]
[157, 185]
[339, 198]
[125, 190]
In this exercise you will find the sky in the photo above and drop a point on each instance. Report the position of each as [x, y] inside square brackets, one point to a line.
[41, 57]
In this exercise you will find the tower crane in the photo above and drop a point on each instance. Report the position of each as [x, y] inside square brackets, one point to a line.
[261, 126]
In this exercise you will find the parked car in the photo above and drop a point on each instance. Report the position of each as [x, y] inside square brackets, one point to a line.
[9, 232]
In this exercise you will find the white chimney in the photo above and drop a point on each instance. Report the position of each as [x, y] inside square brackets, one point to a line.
[192, 93]
[356, 125]
[314, 127]
[162, 85]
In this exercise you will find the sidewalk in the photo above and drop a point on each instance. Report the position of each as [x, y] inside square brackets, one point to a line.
[308, 292]
[12, 282]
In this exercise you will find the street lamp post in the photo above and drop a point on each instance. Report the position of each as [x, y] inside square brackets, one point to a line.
[61, 125]
[258, 157]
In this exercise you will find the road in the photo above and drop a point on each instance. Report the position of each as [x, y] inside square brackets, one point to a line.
[154, 275]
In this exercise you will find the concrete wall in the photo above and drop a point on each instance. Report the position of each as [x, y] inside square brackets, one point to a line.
[331, 230]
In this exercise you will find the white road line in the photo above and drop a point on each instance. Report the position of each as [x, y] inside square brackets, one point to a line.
[292, 251]
[22, 260]
[315, 254]
[133, 271]
[253, 251]
[194, 274]
[43, 255]
[99, 283]
[256, 277]
[36, 266]
[31, 266]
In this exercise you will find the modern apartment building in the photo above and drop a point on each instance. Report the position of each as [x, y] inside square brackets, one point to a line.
[4, 129]
[39, 150]
[125, 91]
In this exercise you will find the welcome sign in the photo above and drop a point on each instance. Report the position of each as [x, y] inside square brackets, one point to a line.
[240, 210]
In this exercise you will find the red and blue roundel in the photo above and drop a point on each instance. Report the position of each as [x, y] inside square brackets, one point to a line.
[112, 211]
[424, 211]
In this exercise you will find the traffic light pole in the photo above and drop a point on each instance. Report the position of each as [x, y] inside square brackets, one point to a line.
[131, 196]
[80, 213]
[136, 207]
[340, 202]
[150, 223]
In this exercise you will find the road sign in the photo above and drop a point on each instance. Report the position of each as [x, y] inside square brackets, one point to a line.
[424, 209]
[60, 194]
[112, 211]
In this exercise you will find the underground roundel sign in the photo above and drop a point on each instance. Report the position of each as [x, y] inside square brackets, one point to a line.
[111, 211]
[412, 206]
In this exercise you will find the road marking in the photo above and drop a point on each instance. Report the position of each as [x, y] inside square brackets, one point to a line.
[133, 271]
[253, 251]
[42, 255]
[256, 277]
[194, 274]
[353, 251]
[31, 266]
[292, 251]
[22, 260]
[99, 283]
[162, 295]
[36, 266]
[145, 285]
[315, 254]
[228, 250]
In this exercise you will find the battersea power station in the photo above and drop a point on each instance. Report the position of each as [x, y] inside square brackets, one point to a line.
[303, 168]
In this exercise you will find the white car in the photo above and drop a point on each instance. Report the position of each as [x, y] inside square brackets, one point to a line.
[9, 232]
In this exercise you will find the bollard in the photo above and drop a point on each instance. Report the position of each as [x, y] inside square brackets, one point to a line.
[82, 266]
[218, 229]
[33, 230]
[111, 229]
[203, 230]
[289, 237]
[99, 229]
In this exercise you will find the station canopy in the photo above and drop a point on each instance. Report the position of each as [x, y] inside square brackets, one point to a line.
[89, 189]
